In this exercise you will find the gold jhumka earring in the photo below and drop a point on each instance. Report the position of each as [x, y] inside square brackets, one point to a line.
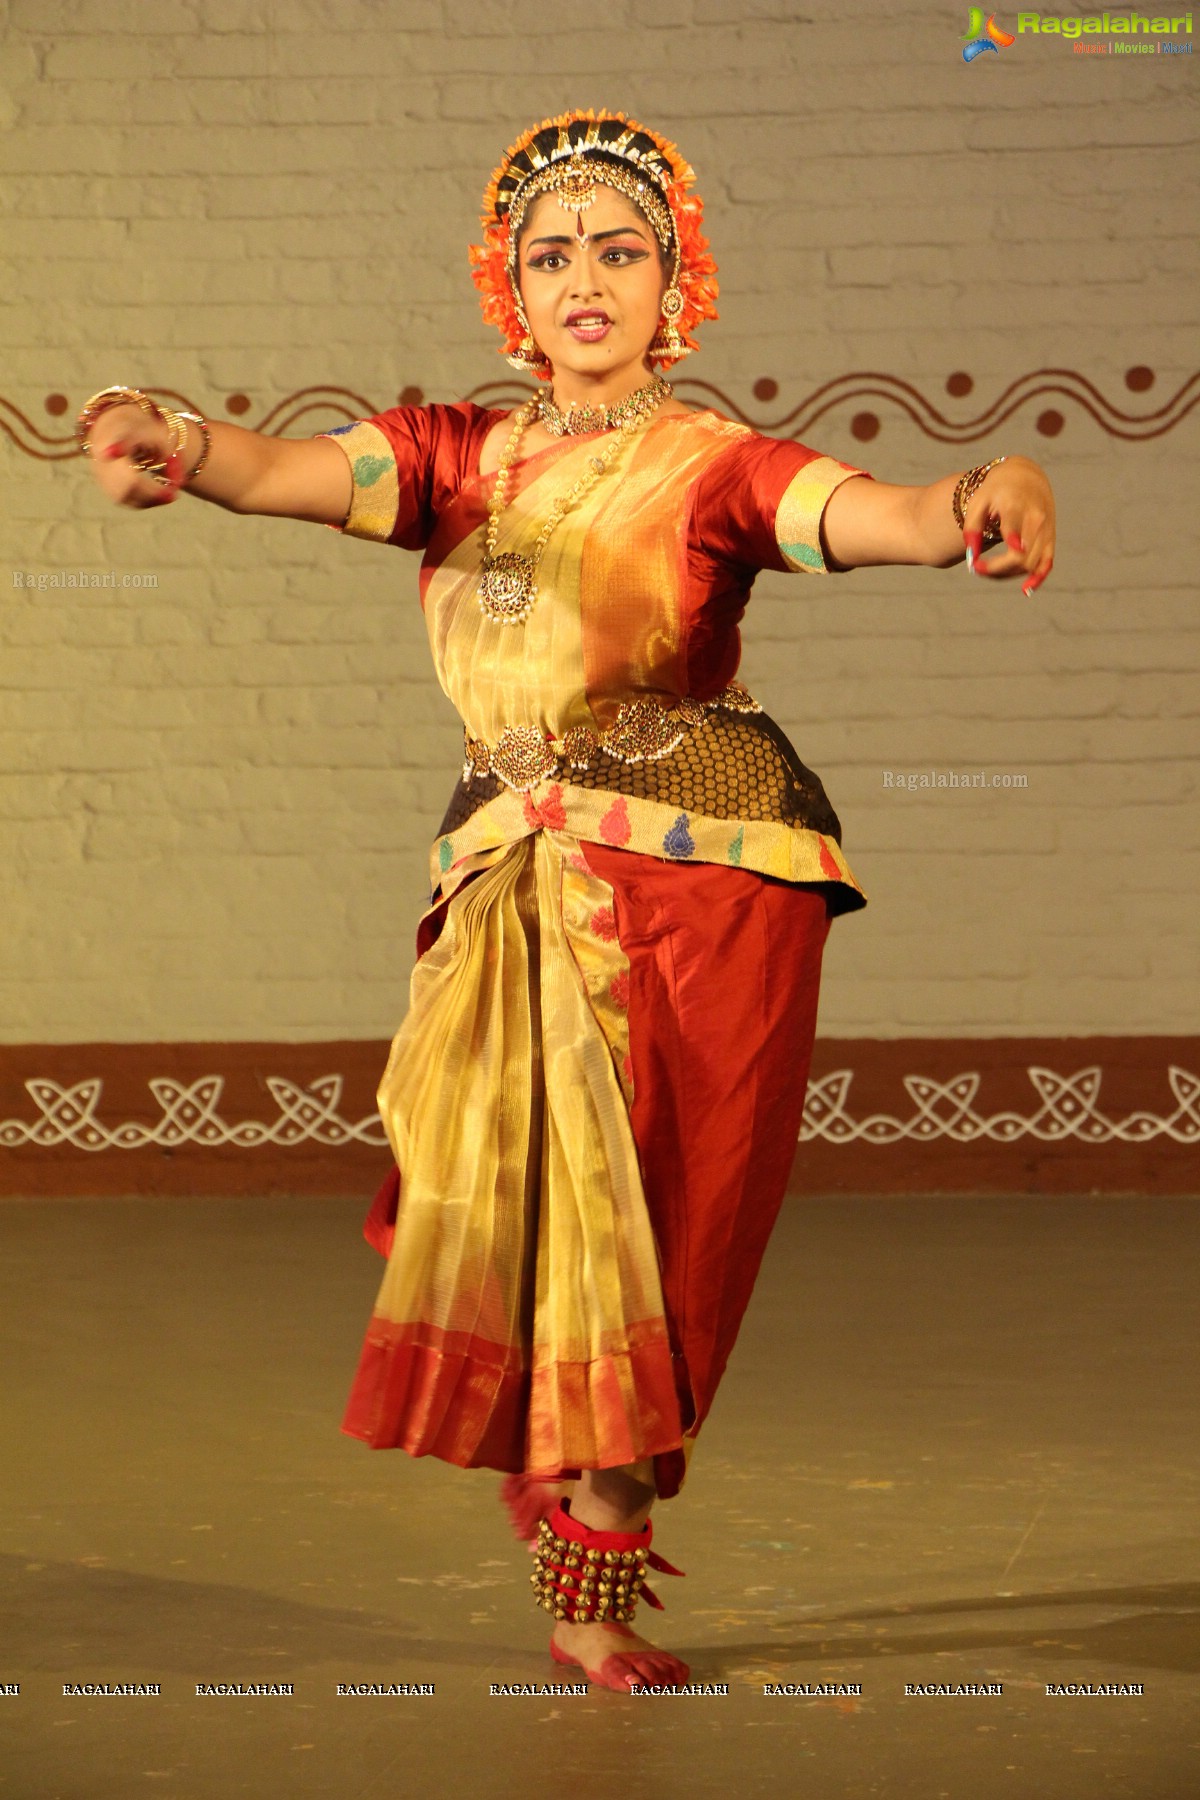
[667, 342]
[526, 355]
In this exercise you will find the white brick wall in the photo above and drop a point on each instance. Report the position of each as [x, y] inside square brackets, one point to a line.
[216, 798]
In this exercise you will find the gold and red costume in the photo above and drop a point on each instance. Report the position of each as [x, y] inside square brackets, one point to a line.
[594, 1099]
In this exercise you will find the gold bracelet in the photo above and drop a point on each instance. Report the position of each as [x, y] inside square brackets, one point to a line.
[967, 485]
[176, 423]
[156, 466]
[206, 434]
[110, 396]
[122, 396]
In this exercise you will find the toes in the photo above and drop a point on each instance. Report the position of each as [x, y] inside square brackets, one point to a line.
[647, 1668]
[624, 1672]
[668, 1671]
[655, 1671]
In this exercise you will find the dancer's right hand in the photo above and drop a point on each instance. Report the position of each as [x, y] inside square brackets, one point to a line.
[120, 438]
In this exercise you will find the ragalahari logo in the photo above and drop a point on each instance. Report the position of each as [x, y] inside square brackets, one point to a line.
[984, 37]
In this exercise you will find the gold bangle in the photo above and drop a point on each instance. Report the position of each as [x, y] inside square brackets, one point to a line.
[110, 396]
[122, 396]
[206, 449]
[178, 427]
[156, 466]
[967, 485]
[176, 423]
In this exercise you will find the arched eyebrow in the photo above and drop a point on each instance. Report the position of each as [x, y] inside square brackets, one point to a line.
[598, 237]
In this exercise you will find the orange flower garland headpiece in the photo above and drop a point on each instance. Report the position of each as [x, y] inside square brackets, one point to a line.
[569, 155]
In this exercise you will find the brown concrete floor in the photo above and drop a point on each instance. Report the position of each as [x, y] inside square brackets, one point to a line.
[957, 1443]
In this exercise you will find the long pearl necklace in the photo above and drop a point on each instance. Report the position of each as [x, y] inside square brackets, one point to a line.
[508, 584]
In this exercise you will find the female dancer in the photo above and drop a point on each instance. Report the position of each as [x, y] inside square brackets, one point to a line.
[595, 1097]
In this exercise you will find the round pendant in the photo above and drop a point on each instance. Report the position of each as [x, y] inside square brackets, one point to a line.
[575, 188]
[508, 587]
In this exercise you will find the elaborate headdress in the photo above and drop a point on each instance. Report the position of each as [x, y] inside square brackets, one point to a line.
[568, 155]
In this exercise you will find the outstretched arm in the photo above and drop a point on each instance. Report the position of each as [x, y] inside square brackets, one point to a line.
[870, 522]
[245, 472]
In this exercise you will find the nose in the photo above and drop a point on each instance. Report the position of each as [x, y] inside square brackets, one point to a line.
[585, 274]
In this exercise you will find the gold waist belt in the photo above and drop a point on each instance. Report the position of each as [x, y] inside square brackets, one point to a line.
[643, 731]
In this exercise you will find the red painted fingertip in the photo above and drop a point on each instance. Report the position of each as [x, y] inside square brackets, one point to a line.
[173, 467]
[111, 452]
[1014, 542]
[974, 541]
[1036, 580]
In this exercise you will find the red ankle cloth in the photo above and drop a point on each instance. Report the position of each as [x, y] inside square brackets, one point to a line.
[583, 1574]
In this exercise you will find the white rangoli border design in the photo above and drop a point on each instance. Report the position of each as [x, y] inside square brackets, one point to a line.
[190, 1116]
[309, 1115]
[944, 1109]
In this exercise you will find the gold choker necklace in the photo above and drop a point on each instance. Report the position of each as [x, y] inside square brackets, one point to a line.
[578, 418]
[508, 582]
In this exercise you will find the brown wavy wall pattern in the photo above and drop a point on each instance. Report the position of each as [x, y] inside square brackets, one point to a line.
[868, 396]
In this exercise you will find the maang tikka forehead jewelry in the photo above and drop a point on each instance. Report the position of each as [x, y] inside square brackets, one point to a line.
[574, 183]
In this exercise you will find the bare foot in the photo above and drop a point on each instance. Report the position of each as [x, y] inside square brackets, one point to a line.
[613, 1656]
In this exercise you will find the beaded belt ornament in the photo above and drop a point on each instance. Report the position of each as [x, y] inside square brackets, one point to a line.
[643, 731]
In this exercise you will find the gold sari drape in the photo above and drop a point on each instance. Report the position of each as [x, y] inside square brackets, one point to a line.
[520, 1321]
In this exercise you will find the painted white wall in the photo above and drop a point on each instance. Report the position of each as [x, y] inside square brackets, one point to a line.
[217, 798]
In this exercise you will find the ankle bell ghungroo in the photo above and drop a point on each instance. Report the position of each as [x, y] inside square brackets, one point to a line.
[583, 1575]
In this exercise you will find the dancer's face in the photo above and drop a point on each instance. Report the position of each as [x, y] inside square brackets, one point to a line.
[592, 285]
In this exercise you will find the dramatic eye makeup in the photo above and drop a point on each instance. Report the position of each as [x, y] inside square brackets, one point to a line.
[625, 239]
[633, 248]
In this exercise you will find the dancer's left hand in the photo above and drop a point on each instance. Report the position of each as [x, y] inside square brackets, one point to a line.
[1018, 495]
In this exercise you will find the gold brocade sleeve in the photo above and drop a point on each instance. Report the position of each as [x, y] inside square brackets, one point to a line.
[798, 519]
[375, 501]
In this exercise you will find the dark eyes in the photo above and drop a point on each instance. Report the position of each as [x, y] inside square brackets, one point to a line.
[616, 256]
